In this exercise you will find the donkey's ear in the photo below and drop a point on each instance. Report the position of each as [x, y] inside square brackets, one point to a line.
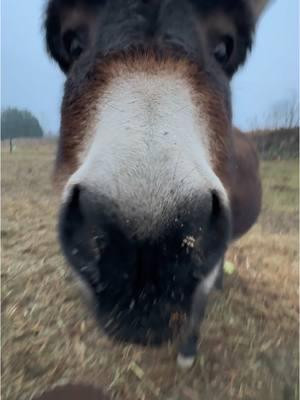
[70, 26]
[258, 7]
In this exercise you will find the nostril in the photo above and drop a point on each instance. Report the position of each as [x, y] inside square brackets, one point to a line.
[74, 197]
[74, 229]
[216, 208]
[73, 216]
[78, 238]
[220, 223]
[214, 240]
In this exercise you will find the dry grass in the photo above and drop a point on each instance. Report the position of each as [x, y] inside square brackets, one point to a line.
[249, 347]
[277, 144]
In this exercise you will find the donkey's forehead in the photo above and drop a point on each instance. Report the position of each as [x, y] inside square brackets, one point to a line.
[119, 23]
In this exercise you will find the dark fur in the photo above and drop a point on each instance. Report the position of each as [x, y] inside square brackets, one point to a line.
[125, 23]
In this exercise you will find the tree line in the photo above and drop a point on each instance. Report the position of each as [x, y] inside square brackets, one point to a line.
[17, 123]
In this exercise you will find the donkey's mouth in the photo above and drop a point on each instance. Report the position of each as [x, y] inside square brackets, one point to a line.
[140, 300]
[142, 290]
[144, 321]
[145, 312]
[142, 285]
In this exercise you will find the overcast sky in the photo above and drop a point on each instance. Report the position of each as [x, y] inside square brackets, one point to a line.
[30, 80]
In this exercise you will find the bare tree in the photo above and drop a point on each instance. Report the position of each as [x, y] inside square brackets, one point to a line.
[285, 114]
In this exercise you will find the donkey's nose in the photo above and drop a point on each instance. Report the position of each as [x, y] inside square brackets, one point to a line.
[88, 225]
[92, 226]
[75, 230]
[139, 281]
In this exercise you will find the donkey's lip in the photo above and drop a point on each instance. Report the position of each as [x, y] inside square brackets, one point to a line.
[132, 325]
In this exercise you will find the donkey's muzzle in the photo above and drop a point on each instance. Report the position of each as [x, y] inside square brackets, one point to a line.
[142, 286]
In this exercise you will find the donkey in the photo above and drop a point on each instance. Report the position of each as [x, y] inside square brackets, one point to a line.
[155, 181]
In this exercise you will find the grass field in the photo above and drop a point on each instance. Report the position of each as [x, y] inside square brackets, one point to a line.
[249, 346]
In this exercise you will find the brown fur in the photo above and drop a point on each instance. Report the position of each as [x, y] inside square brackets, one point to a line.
[244, 186]
[234, 155]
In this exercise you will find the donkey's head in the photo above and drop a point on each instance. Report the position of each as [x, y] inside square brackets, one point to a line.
[145, 148]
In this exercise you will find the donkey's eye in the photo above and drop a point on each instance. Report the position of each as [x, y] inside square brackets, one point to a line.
[76, 48]
[224, 49]
[73, 43]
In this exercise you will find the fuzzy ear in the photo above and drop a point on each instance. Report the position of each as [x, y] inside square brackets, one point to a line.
[258, 7]
[70, 26]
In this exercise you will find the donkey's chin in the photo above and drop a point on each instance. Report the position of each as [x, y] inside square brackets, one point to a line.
[150, 322]
[150, 316]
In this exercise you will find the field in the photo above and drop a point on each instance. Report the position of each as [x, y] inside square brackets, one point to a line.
[249, 344]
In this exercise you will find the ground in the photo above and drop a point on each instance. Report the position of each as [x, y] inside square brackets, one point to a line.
[249, 343]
